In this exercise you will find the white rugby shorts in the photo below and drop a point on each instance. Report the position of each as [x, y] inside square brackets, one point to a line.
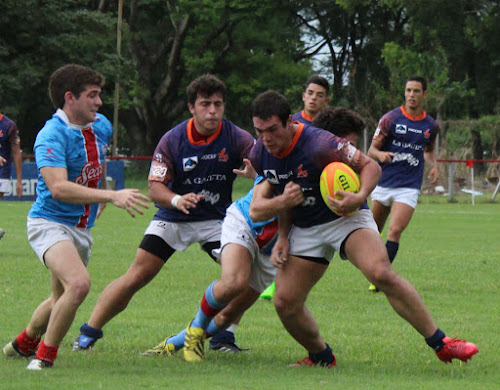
[43, 234]
[322, 241]
[235, 230]
[180, 235]
[387, 196]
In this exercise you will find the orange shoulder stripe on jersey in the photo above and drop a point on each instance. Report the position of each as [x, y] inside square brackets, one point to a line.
[189, 130]
[293, 143]
[411, 117]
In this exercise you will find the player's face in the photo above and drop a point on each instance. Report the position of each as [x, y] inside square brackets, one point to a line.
[315, 99]
[275, 137]
[207, 113]
[414, 95]
[83, 110]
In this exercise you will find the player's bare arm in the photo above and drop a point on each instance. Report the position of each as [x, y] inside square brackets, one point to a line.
[62, 189]
[279, 253]
[430, 158]
[266, 204]
[375, 151]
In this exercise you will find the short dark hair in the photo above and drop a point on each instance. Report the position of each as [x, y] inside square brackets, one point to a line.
[317, 79]
[420, 80]
[340, 121]
[205, 86]
[270, 103]
[72, 78]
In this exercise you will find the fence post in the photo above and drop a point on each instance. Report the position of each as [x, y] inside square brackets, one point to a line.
[451, 179]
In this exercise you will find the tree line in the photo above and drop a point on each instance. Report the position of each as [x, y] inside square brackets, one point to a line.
[366, 48]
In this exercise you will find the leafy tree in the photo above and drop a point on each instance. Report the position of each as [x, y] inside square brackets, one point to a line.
[243, 42]
[35, 39]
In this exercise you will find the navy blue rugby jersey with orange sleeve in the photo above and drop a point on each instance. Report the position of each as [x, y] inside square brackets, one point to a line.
[9, 134]
[310, 151]
[406, 137]
[302, 117]
[203, 167]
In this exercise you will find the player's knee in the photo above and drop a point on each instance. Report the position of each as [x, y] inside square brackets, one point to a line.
[383, 276]
[138, 277]
[233, 285]
[79, 289]
[285, 305]
[395, 232]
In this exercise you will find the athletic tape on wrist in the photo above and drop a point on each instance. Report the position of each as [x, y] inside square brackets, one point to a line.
[174, 200]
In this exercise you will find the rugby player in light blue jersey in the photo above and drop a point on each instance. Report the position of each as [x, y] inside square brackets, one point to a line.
[70, 155]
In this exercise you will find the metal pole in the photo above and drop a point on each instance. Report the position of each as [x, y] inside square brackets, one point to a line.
[117, 81]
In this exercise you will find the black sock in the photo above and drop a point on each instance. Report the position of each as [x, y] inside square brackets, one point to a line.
[324, 358]
[436, 340]
[87, 330]
[392, 249]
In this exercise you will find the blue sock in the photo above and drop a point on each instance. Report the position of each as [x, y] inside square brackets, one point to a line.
[324, 358]
[208, 309]
[87, 330]
[392, 249]
[178, 339]
[436, 340]
[213, 329]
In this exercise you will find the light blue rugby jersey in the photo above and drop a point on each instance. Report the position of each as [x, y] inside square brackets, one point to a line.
[264, 232]
[79, 149]
[243, 205]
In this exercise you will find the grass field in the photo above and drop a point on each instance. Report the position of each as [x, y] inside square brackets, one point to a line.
[450, 252]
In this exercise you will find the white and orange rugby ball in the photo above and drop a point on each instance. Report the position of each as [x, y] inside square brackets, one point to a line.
[338, 176]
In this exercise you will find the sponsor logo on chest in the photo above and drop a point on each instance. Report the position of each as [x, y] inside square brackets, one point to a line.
[90, 172]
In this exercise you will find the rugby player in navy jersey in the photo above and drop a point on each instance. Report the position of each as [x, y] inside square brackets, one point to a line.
[70, 153]
[309, 234]
[315, 98]
[190, 180]
[404, 140]
[245, 251]
[10, 152]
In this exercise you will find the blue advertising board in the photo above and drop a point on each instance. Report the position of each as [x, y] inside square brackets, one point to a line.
[115, 174]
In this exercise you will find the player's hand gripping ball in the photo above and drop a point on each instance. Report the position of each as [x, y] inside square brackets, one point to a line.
[338, 176]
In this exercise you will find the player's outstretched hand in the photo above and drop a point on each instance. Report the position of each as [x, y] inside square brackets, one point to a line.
[130, 200]
[247, 171]
[2, 161]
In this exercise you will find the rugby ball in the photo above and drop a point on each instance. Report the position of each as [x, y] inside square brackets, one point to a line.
[338, 176]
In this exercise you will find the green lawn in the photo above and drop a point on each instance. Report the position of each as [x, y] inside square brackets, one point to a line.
[450, 252]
